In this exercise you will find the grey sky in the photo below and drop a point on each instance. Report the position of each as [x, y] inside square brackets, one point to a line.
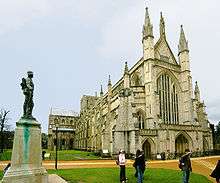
[72, 46]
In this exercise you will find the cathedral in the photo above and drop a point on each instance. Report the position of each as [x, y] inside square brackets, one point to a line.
[152, 107]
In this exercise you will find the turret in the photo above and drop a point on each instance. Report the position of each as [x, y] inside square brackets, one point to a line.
[126, 76]
[148, 38]
[186, 79]
[183, 51]
[197, 92]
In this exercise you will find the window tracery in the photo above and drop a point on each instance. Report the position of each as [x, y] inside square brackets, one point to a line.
[168, 99]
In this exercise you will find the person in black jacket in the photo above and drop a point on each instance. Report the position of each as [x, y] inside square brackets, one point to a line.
[186, 165]
[139, 165]
[216, 172]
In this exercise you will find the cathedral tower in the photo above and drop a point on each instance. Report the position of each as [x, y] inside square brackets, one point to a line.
[148, 51]
[186, 79]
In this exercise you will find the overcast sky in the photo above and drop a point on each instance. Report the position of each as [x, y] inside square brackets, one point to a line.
[72, 46]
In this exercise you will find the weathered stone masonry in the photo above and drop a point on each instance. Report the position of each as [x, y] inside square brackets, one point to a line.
[152, 107]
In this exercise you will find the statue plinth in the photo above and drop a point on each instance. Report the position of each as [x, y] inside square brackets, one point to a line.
[26, 161]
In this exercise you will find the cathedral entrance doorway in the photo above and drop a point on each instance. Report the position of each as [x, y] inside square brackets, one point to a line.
[181, 143]
[147, 149]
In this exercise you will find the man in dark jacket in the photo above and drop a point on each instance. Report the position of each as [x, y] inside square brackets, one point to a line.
[186, 165]
[139, 165]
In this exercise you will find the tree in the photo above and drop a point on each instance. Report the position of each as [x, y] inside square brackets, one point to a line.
[217, 136]
[44, 140]
[3, 125]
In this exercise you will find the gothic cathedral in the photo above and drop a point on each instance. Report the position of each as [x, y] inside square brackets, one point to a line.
[152, 107]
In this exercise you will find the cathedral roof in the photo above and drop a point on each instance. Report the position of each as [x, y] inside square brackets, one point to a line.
[63, 112]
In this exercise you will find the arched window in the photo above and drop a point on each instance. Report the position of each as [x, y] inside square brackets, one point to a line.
[140, 117]
[55, 121]
[168, 98]
[136, 80]
[63, 121]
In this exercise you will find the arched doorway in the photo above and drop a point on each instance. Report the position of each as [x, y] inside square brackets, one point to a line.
[181, 144]
[147, 149]
[71, 144]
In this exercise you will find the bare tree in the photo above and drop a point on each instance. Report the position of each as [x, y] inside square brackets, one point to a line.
[3, 124]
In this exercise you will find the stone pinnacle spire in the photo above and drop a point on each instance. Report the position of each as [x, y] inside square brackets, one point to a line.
[126, 68]
[162, 25]
[183, 44]
[109, 81]
[101, 92]
[197, 92]
[196, 86]
[148, 27]
[147, 18]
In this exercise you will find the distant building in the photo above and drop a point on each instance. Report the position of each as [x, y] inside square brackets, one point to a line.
[65, 121]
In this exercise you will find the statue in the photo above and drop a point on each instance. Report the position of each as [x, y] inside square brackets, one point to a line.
[27, 86]
[26, 162]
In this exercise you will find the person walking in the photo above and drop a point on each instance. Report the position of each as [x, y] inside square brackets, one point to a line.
[121, 161]
[185, 164]
[139, 165]
[216, 172]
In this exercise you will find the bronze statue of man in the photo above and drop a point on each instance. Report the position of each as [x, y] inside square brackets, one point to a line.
[27, 86]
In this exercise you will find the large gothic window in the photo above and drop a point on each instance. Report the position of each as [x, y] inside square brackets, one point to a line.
[168, 98]
[140, 117]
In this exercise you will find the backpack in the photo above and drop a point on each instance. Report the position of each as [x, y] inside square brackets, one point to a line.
[181, 163]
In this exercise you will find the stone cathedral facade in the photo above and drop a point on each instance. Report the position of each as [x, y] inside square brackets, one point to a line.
[153, 106]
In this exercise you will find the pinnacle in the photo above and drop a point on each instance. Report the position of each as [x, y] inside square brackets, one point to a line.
[101, 92]
[126, 68]
[183, 44]
[162, 25]
[147, 28]
[109, 80]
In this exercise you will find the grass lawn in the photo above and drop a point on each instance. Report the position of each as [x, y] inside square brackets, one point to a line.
[73, 155]
[62, 155]
[111, 175]
[6, 155]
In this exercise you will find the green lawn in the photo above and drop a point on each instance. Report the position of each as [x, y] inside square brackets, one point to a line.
[73, 155]
[62, 155]
[111, 175]
[6, 155]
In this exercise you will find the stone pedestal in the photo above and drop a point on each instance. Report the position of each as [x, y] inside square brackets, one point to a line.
[26, 161]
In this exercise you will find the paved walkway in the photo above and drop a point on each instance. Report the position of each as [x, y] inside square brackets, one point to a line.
[202, 165]
[53, 178]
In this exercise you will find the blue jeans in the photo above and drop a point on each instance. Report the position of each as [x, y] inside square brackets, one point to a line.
[140, 174]
[186, 174]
